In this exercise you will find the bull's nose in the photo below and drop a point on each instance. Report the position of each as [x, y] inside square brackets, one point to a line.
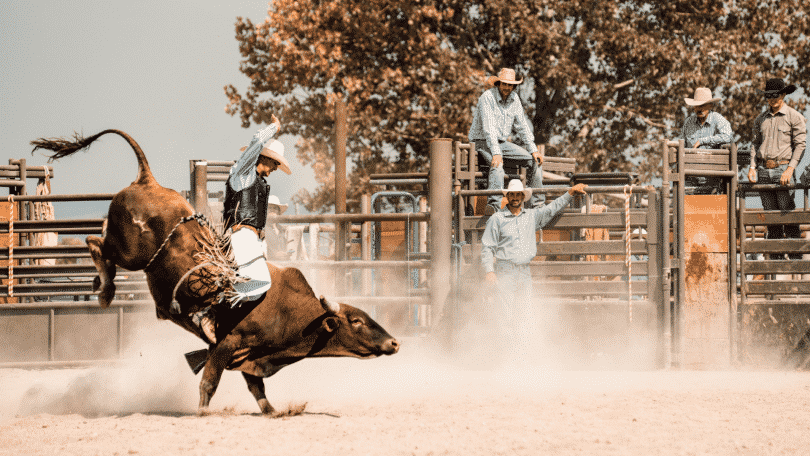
[391, 347]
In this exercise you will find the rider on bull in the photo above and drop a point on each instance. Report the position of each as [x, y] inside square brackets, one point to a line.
[245, 214]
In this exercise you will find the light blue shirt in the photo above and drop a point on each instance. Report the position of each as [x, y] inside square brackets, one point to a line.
[243, 173]
[495, 118]
[509, 237]
[712, 133]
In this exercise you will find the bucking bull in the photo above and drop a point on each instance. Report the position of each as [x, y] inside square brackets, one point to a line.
[154, 229]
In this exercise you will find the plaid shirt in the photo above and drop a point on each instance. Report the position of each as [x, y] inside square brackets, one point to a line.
[243, 172]
[494, 119]
[511, 238]
[780, 136]
[713, 132]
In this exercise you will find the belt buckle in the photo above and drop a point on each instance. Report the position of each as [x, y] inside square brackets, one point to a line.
[770, 164]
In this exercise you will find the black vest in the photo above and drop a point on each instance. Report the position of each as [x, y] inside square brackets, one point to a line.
[247, 206]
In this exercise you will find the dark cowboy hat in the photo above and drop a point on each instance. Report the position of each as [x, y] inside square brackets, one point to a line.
[777, 86]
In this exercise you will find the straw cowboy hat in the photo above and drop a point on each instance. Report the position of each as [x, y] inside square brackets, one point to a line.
[515, 185]
[703, 95]
[506, 75]
[777, 86]
[275, 150]
[273, 199]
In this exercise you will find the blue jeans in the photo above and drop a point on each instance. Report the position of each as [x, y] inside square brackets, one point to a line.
[779, 200]
[516, 320]
[515, 153]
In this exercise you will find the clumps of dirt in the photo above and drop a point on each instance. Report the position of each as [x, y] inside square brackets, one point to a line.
[291, 410]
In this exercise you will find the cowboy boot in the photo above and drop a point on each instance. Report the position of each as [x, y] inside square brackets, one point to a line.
[204, 320]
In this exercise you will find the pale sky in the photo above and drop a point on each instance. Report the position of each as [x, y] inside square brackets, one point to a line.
[154, 69]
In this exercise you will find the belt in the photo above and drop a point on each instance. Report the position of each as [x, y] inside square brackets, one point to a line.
[508, 265]
[259, 233]
[771, 164]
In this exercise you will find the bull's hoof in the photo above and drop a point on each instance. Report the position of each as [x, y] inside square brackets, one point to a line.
[266, 408]
[106, 295]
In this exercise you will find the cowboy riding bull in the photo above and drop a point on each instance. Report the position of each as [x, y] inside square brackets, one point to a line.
[190, 277]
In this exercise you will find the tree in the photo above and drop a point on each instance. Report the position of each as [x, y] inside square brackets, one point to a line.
[604, 80]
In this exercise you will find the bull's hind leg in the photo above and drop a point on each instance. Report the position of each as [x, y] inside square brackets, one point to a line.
[106, 271]
[256, 388]
[218, 360]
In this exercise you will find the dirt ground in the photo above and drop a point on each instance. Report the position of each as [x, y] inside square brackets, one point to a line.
[409, 403]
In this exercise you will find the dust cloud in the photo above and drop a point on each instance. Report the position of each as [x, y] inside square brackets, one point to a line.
[469, 352]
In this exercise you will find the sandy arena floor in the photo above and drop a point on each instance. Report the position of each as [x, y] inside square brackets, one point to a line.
[410, 403]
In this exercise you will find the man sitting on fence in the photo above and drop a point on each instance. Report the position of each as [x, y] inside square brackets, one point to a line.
[499, 111]
[705, 129]
[780, 135]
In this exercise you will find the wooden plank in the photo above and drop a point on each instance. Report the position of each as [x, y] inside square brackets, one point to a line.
[705, 167]
[590, 288]
[641, 303]
[588, 268]
[775, 217]
[590, 248]
[777, 287]
[777, 246]
[576, 220]
[777, 267]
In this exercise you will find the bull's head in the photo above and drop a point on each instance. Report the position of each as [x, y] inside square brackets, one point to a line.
[354, 333]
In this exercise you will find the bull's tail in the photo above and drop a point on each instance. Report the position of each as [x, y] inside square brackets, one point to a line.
[196, 360]
[63, 147]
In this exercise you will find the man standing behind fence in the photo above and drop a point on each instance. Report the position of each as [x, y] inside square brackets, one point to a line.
[779, 140]
[499, 111]
[508, 245]
[705, 129]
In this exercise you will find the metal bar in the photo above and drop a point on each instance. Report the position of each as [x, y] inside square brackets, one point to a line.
[441, 224]
[200, 190]
[708, 173]
[355, 218]
[56, 364]
[558, 189]
[732, 242]
[11, 183]
[71, 304]
[666, 269]
[68, 197]
[399, 176]
[383, 300]
[51, 334]
[341, 237]
[680, 239]
[398, 181]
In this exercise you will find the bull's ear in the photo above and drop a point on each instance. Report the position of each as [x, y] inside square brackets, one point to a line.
[330, 324]
[329, 306]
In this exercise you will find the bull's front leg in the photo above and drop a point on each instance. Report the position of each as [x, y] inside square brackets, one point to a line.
[106, 271]
[256, 388]
[218, 360]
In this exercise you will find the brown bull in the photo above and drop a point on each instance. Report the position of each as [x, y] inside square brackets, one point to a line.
[144, 230]
[152, 228]
[288, 325]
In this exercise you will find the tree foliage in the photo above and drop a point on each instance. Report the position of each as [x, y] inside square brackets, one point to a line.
[604, 80]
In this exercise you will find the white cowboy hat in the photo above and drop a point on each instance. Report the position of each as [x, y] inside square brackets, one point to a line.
[273, 199]
[506, 75]
[703, 95]
[275, 150]
[515, 185]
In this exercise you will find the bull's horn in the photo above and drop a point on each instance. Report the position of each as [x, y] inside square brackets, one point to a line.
[329, 306]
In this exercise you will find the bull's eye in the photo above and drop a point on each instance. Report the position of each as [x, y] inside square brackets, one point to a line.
[356, 321]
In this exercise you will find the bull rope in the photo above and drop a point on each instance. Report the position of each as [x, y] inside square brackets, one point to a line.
[11, 246]
[200, 219]
[185, 276]
[628, 259]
